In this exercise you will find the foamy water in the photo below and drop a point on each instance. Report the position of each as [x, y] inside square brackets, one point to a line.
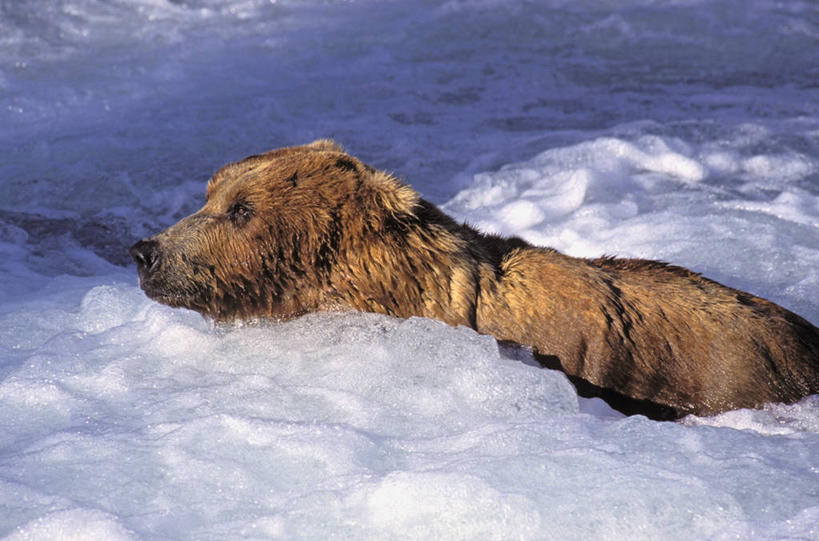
[681, 131]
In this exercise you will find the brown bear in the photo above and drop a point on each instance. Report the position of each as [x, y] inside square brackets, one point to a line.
[311, 228]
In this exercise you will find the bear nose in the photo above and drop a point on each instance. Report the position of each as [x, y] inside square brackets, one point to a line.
[146, 254]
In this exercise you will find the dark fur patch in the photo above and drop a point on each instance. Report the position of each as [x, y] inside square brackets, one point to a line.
[329, 246]
[346, 164]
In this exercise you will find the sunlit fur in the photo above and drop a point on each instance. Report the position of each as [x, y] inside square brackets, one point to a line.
[311, 228]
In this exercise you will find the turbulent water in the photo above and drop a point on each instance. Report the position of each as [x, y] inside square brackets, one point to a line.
[686, 131]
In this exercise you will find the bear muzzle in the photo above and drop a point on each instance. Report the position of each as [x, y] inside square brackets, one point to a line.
[146, 254]
[167, 277]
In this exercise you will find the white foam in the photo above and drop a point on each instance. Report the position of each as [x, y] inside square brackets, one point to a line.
[121, 419]
[73, 525]
[410, 503]
[358, 425]
[772, 419]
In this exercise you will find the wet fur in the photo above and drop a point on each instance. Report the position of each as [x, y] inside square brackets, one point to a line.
[311, 228]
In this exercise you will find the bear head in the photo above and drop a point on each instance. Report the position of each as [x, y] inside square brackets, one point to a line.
[272, 229]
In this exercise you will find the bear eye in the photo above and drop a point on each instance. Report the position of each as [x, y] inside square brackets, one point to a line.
[239, 213]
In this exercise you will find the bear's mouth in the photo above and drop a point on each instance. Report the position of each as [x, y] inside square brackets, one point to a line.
[165, 295]
[196, 297]
[177, 301]
[172, 299]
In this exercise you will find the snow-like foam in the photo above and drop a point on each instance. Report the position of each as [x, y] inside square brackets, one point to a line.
[73, 525]
[123, 419]
[135, 420]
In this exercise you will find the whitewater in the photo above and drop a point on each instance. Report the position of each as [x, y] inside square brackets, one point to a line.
[683, 130]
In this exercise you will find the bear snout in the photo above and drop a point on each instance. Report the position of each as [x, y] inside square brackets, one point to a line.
[166, 276]
[146, 254]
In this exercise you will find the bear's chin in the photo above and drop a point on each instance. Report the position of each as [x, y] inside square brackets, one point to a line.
[171, 298]
[175, 301]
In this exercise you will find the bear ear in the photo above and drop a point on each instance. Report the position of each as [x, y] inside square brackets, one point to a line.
[391, 194]
[325, 144]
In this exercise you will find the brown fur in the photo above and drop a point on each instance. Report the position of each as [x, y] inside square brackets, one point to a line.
[311, 228]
